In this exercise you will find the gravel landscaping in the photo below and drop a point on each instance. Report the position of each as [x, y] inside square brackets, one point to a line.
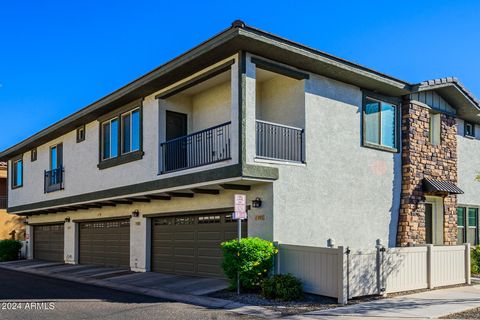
[309, 303]
[469, 314]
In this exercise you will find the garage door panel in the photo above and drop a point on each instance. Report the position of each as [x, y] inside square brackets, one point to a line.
[48, 242]
[105, 243]
[190, 245]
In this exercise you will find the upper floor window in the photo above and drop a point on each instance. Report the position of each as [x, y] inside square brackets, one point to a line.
[110, 139]
[121, 136]
[434, 128]
[33, 155]
[81, 134]
[380, 124]
[131, 131]
[17, 173]
[469, 129]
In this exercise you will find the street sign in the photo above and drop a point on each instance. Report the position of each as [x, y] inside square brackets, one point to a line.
[240, 207]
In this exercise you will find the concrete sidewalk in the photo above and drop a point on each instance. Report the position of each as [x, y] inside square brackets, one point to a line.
[425, 305]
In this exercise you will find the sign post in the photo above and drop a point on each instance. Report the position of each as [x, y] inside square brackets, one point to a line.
[240, 213]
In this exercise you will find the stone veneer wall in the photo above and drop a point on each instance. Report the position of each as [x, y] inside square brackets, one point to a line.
[421, 160]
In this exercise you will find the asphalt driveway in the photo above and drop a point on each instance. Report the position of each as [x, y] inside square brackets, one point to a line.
[27, 296]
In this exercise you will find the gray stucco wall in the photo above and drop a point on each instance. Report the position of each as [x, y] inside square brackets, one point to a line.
[344, 191]
[468, 153]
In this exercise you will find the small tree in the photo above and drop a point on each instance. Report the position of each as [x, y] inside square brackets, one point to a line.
[252, 258]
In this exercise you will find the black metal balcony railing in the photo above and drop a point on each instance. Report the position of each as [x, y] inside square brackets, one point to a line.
[197, 149]
[279, 142]
[54, 180]
[3, 202]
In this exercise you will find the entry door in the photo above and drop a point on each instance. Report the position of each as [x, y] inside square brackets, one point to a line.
[176, 153]
[429, 223]
[434, 221]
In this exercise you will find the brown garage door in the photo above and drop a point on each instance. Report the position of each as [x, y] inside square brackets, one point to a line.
[105, 243]
[190, 245]
[48, 242]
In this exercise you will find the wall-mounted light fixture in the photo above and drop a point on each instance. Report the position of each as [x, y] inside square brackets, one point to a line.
[67, 219]
[25, 221]
[135, 213]
[257, 202]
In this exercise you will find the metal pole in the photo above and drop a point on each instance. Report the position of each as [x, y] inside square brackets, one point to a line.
[239, 238]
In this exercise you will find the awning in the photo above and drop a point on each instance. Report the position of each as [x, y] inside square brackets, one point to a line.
[430, 185]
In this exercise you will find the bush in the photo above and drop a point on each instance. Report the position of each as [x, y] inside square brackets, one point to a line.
[475, 260]
[9, 249]
[252, 257]
[283, 287]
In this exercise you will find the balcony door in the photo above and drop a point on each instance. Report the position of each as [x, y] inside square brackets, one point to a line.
[176, 153]
[56, 163]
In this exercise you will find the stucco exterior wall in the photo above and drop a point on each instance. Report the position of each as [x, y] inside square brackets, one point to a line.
[468, 157]
[80, 160]
[281, 100]
[344, 191]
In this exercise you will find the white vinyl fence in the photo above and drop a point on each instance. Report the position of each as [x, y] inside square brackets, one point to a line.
[344, 273]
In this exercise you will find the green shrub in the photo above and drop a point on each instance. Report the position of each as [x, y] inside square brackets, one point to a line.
[475, 260]
[9, 249]
[252, 257]
[283, 287]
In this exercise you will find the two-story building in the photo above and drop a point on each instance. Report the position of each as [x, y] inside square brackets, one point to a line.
[325, 150]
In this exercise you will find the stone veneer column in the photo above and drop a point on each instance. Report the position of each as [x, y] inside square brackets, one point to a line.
[421, 160]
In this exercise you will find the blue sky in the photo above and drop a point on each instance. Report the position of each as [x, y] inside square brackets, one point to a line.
[58, 56]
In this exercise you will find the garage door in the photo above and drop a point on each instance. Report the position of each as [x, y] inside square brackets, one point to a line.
[190, 245]
[48, 242]
[105, 243]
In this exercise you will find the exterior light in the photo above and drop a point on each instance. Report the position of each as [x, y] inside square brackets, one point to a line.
[257, 203]
[67, 219]
[135, 213]
[25, 221]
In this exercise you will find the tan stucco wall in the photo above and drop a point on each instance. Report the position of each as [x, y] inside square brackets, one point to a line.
[8, 223]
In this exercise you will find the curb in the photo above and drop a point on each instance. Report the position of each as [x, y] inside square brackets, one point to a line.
[208, 302]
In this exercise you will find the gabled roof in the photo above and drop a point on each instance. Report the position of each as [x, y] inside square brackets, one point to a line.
[456, 94]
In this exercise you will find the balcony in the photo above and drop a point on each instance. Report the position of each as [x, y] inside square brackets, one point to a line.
[54, 180]
[3, 202]
[201, 148]
[279, 142]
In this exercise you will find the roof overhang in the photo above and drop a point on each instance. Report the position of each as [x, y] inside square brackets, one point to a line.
[450, 89]
[232, 40]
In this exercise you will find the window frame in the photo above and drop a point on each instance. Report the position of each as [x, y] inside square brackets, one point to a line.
[102, 144]
[434, 133]
[466, 224]
[33, 155]
[468, 123]
[14, 172]
[381, 99]
[121, 157]
[79, 137]
[129, 113]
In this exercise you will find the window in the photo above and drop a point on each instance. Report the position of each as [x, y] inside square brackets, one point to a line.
[467, 223]
[380, 124]
[33, 155]
[56, 156]
[472, 235]
[461, 225]
[469, 129]
[121, 136]
[17, 173]
[131, 131]
[81, 134]
[110, 139]
[434, 129]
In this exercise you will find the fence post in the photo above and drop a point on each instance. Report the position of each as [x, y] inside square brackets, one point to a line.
[468, 274]
[342, 277]
[380, 279]
[430, 266]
